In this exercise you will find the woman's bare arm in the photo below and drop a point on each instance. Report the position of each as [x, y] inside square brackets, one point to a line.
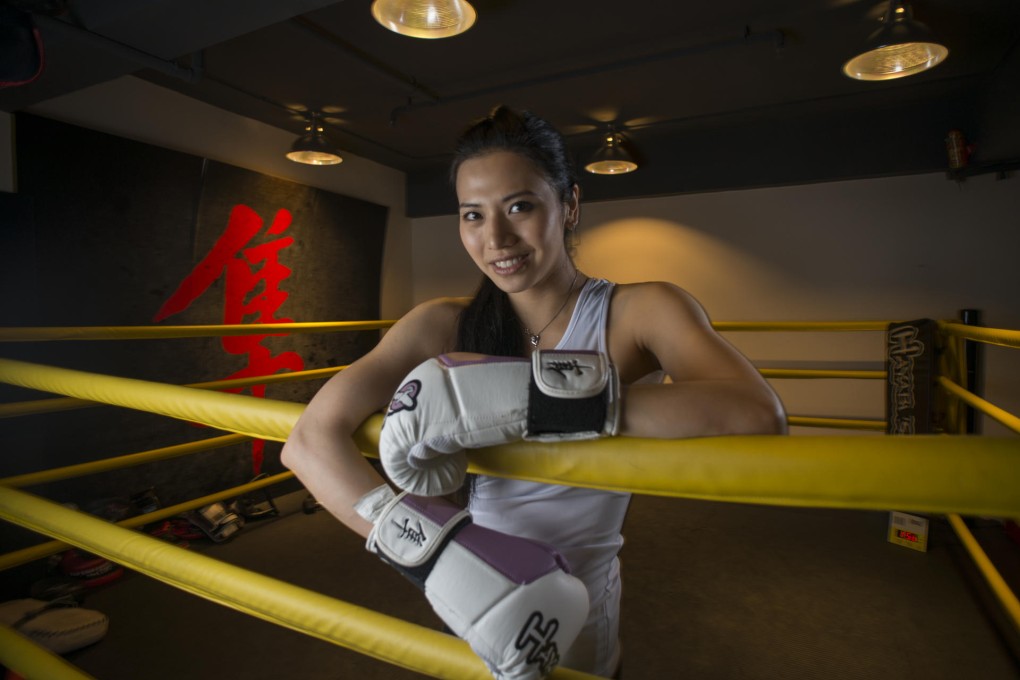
[321, 450]
[715, 390]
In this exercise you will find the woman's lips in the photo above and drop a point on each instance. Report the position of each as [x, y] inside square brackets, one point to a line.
[508, 265]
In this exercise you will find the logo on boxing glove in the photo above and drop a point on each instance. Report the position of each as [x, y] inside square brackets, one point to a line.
[538, 635]
[563, 367]
[409, 533]
[406, 398]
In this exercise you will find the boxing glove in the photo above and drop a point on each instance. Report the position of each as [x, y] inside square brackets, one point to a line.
[512, 599]
[446, 405]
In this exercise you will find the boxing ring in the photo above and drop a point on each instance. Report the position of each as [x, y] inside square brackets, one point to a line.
[950, 473]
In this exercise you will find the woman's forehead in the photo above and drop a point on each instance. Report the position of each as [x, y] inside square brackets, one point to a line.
[502, 172]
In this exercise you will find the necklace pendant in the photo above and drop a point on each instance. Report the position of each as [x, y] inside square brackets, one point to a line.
[534, 340]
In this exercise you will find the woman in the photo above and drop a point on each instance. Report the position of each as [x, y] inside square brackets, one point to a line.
[519, 205]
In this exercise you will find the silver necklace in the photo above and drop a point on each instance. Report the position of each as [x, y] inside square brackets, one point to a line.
[536, 337]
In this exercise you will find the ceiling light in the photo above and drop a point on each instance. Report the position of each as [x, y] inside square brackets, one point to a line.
[313, 148]
[612, 158]
[425, 18]
[900, 48]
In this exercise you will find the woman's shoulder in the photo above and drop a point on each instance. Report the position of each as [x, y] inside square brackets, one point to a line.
[431, 325]
[648, 322]
[654, 297]
[440, 308]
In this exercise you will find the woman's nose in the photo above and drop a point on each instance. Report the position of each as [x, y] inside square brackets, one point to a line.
[498, 233]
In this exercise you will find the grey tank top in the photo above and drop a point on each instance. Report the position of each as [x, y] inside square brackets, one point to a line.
[583, 524]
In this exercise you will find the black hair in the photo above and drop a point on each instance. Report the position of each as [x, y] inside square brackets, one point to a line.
[489, 324]
[525, 133]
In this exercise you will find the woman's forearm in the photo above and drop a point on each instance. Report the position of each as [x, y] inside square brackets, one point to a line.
[333, 471]
[701, 408]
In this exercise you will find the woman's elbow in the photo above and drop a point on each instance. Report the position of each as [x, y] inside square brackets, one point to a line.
[289, 455]
[295, 453]
[767, 416]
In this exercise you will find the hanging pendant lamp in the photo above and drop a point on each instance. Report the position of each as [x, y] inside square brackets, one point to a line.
[900, 48]
[425, 18]
[612, 158]
[313, 147]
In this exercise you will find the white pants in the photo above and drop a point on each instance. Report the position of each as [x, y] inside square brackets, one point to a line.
[597, 648]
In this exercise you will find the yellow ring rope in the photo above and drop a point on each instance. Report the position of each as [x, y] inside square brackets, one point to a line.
[712, 480]
[40, 333]
[941, 474]
[986, 407]
[35, 552]
[25, 408]
[995, 581]
[31, 660]
[920, 473]
[50, 333]
[801, 326]
[118, 462]
[991, 336]
[838, 423]
[808, 373]
[260, 418]
[357, 628]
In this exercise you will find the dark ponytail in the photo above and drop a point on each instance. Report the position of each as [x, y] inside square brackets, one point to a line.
[489, 324]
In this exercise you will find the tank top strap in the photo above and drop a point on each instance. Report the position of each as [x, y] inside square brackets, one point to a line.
[587, 327]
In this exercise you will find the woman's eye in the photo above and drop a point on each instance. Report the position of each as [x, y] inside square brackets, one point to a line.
[520, 206]
[470, 216]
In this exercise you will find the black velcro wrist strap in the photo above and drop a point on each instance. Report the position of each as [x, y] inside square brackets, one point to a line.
[554, 416]
[572, 395]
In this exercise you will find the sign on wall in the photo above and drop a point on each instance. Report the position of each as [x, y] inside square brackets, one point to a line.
[117, 232]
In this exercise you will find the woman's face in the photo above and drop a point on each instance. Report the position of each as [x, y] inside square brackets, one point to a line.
[512, 222]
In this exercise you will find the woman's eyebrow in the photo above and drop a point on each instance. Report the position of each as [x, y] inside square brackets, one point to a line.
[508, 197]
[517, 194]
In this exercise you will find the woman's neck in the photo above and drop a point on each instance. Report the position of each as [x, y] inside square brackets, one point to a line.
[545, 312]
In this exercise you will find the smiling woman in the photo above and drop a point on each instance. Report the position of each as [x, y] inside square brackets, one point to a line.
[455, 375]
[513, 225]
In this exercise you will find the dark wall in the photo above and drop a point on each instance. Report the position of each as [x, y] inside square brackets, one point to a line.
[107, 231]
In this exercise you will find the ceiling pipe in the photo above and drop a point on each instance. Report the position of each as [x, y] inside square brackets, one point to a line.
[170, 68]
[747, 37]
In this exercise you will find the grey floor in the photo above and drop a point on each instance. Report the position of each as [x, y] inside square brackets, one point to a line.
[712, 591]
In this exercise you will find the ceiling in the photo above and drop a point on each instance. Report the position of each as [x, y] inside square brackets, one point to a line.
[712, 95]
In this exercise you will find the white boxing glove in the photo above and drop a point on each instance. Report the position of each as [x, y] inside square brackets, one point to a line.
[512, 599]
[445, 406]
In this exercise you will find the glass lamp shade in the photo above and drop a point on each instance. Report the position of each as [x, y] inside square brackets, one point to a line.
[611, 158]
[425, 18]
[900, 48]
[313, 148]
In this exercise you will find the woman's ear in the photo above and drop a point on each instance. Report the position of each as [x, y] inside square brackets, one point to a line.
[572, 208]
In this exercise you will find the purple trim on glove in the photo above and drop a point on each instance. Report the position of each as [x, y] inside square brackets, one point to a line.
[433, 508]
[449, 362]
[520, 560]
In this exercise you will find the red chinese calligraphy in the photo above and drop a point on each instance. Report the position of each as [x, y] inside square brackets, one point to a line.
[252, 294]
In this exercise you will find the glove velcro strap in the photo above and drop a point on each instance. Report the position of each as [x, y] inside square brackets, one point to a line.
[413, 531]
[571, 395]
